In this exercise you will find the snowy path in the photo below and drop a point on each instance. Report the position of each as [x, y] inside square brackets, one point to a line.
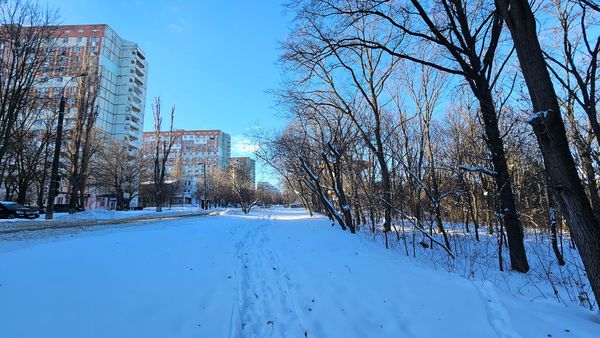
[272, 274]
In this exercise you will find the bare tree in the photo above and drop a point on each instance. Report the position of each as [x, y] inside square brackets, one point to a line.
[579, 59]
[82, 135]
[121, 170]
[337, 68]
[243, 187]
[27, 35]
[218, 187]
[27, 156]
[163, 143]
[176, 181]
[425, 88]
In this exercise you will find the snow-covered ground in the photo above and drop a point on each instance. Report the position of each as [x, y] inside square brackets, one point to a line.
[275, 273]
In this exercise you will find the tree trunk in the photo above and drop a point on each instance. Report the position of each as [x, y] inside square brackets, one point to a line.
[336, 179]
[552, 138]
[474, 213]
[552, 223]
[435, 193]
[508, 209]
[387, 195]
[158, 198]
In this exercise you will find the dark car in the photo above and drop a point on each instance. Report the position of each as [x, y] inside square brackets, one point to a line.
[16, 210]
[41, 211]
[65, 208]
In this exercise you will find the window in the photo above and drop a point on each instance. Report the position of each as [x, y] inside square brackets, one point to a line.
[93, 48]
[94, 39]
[79, 39]
[65, 40]
[63, 49]
[77, 49]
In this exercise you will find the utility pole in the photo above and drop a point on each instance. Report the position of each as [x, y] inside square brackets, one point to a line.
[53, 190]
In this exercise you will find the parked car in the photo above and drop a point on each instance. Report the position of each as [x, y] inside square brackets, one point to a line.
[38, 209]
[65, 208]
[16, 210]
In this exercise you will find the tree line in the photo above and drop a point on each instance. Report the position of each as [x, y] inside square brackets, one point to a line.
[430, 113]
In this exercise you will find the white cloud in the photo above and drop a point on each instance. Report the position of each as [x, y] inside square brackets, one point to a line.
[175, 27]
[179, 26]
[242, 146]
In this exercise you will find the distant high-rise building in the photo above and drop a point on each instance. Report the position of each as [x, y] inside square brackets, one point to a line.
[267, 187]
[247, 164]
[121, 67]
[195, 153]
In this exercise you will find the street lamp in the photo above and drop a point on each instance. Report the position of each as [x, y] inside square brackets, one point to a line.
[205, 189]
[59, 130]
[204, 203]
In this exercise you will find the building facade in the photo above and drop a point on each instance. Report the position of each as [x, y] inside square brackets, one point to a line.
[120, 67]
[266, 186]
[195, 155]
[118, 70]
[247, 164]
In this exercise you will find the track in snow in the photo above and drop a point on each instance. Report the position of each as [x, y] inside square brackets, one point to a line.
[264, 307]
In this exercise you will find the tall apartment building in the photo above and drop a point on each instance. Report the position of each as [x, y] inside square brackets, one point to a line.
[122, 69]
[248, 164]
[266, 186]
[194, 152]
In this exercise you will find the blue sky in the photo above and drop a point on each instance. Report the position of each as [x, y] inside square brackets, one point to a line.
[213, 59]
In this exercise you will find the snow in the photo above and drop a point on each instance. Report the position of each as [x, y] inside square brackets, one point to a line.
[477, 169]
[537, 115]
[273, 273]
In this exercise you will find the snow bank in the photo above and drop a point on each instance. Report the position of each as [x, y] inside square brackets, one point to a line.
[96, 215]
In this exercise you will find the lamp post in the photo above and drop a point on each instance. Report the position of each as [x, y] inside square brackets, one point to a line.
[205, 189]
[53, 189]
[204, 202]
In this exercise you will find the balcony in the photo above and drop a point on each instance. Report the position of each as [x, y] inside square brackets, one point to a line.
[133, 135]
[135, 108]
[133, 127]
[140, 55]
